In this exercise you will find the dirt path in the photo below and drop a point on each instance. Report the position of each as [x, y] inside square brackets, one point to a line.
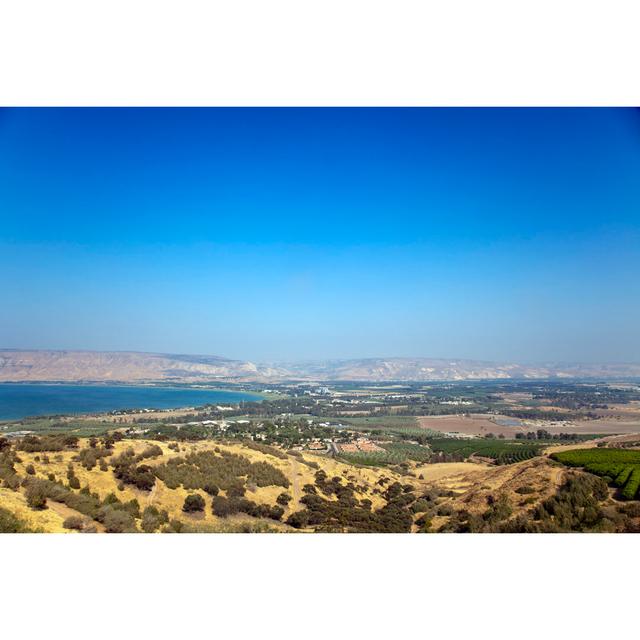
[446, 470]
[295, 481]
[152, 494]
[65, 512]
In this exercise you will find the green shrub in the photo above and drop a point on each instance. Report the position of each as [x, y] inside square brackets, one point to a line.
[55, 442]
[74, 522]
[10, 523]
[445, 510]
[193, 503]
[12, 482]
[499, 509]
[525, 490]
[36, 496]
[211, 489]
[153, 518]
[222, 507]
[265, 448]
[152, 451]
[174, 526]
[125, 470]
[132, 507]
[420, 506]
[284, 499]
[89, 457]
[236, 490]
[224, 470]
[298, 519]
[117, 521]
[86, 504]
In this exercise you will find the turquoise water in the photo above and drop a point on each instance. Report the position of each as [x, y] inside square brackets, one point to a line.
[509, 422]
[22, 400]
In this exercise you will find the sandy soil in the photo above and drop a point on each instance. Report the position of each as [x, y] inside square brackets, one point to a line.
[444, 470]
[474, 425]
[538, 474]
[481, 425]
[632, 409]
[611, 426]
[132, 417]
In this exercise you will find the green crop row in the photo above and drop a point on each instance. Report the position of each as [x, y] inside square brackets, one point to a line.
[410, 451]
[620, 466]
[632, 486]
[583, 457]
[373, 458]
[503, 452]
[394, 453]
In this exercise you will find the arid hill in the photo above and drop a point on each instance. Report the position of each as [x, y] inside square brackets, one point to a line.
[33, 366]
[102, 366]
[425, 369]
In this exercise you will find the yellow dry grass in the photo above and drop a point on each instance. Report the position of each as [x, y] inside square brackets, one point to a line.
[47, 520]
[443, 470]
[172, 500]
[474, 490]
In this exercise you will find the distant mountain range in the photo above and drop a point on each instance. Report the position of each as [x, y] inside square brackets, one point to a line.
[129, 366]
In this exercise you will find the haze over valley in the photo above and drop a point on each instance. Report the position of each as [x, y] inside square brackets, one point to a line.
[98, 366]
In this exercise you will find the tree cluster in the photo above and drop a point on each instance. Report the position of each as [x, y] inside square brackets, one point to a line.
[56, 442]
[211, 471]
[349, 514]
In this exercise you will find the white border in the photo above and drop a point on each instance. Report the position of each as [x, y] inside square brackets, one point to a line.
[320, 52]
[319, 586]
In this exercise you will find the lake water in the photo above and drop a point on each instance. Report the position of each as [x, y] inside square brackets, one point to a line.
[21, 400]
[509, 422]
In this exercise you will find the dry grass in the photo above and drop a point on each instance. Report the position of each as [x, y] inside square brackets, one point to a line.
[47, 520]
[472, 426]
[474, 490]
[444, 470]
[172, 500]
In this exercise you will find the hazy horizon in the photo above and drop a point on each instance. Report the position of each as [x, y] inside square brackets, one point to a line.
[503, 235]
[346, 358]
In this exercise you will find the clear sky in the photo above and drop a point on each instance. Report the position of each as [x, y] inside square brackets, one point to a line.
[281, 234]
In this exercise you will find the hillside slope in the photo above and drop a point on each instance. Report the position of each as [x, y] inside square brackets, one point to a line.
[94, 366]
[104, 366]
[101, 484]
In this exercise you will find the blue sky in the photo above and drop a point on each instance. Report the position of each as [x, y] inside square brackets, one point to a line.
[277, 234]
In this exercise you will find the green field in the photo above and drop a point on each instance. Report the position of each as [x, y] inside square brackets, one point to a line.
[503, 452]
[394, 453]
[621, 467]
[409, 451]
[399, 425]
[81, 427]
[383, 422]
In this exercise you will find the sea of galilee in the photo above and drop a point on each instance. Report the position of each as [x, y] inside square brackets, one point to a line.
[23, 400]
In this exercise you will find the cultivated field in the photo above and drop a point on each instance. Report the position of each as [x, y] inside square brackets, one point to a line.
[476, 426]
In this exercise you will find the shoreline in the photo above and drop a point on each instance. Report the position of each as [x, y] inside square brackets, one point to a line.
[25, 408]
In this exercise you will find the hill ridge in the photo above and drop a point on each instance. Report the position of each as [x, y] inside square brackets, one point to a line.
[23, 365]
